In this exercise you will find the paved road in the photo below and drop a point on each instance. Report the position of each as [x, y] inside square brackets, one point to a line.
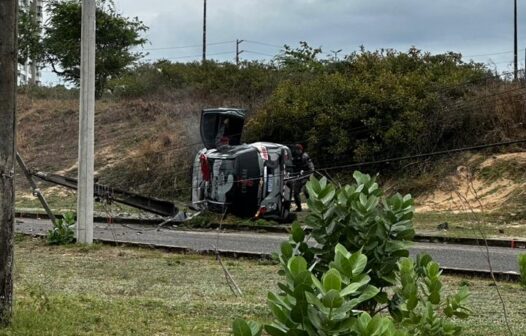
[448, 255]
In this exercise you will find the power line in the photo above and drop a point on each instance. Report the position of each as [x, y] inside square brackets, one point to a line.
[418, 156]
[258, 53]
[188, 46]
[264, 44]
[188, 56]
[490, 54]
[363, 128]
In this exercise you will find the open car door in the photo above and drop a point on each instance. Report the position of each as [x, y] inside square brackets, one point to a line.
[222, 126]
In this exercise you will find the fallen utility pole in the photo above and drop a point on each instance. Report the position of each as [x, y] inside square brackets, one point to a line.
[8, 72]
[109, 194]
[87, 125]
[34, 188]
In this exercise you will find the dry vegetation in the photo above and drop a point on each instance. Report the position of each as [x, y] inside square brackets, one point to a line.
[140, 144]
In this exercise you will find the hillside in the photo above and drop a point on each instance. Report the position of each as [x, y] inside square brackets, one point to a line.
[488, 184]
[140, 145]
[148, 145]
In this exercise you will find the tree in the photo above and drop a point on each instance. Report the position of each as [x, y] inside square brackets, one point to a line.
[372, 105]
[302, 59]
[29, 36]
[116, 35]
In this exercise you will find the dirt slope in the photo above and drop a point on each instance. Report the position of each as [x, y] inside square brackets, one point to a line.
[492, 184]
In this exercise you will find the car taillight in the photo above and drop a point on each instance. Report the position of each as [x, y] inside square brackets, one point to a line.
[261, 212]
[205, 167]
[263, 152]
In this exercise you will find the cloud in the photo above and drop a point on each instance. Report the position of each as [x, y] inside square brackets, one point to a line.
[472, 27]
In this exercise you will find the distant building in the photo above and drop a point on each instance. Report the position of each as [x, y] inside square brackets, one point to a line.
[30, 73]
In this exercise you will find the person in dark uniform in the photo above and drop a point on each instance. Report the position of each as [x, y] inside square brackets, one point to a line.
[302, 165]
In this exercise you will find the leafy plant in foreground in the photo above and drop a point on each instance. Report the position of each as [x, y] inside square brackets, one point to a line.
[417, 300]
[521, 258]
[326, 306]
[358, 268]
[62, 232]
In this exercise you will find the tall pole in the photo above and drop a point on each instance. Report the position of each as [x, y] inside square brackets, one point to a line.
[8, 72]
[87, 125]
[238, 52]
[33, 65]
[204, 31]
[515, 49]
[335, 52]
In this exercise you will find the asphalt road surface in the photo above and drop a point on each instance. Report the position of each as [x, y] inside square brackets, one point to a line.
[448, 255]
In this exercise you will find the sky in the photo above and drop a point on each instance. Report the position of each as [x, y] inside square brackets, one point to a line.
[481, 30]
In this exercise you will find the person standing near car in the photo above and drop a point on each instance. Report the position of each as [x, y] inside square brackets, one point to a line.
[222, 139]
[302, 167]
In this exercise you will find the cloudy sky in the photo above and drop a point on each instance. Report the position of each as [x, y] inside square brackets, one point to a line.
[480, 29]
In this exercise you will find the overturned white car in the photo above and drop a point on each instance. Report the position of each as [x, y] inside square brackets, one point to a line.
[247, 180]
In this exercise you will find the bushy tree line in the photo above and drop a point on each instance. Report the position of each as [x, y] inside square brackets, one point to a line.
[244, 84]
[369, 105]
[373, 105]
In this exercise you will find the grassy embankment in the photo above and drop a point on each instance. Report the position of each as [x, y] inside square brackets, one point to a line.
[104, 290]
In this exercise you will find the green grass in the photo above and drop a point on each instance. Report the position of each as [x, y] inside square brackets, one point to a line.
[103, 290]
[467, 225]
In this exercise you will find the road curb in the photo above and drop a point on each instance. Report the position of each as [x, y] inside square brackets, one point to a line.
[419, 237]
[502, 276]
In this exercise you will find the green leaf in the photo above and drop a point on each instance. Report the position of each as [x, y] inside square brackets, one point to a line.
[241, 328]
[278, 300]
[342, 250]
[274, 331]
[328, 195]
[367, 294]
[299, 313]
[297, 233]
[313, 300]
[362, 322]
[313, 186]
[303, 279]
[332, 299]
[255, 327]
[280, 314]
[296, 265]
[332, 280]
[287, 249]
[358, 262]
[353, 287]
[297, 332]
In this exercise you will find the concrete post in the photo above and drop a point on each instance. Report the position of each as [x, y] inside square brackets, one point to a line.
[87, 125]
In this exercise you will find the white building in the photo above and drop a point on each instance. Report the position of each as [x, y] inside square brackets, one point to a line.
[30, 72]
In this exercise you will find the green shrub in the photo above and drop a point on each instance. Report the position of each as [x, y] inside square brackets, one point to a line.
[244, 84]
[374, 104]
[359, 269]
[62, 232]
[521, 258]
